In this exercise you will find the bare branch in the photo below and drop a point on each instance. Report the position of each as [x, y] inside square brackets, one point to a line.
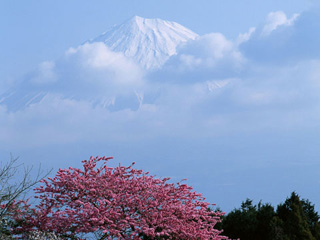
[14, 186]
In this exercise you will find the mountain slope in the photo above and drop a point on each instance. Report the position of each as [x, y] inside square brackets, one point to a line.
[149, 42]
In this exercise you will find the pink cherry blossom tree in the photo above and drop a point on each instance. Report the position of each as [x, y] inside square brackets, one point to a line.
[118, 203]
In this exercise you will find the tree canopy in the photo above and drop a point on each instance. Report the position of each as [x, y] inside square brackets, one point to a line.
[118, 203]
[295, 219]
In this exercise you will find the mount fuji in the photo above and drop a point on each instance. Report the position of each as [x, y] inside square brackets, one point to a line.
[149, 42]
[106, 62]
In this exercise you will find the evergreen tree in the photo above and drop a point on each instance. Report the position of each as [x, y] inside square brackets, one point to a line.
[312, 218]
[249, 222]
[265, 216]
[294, 220]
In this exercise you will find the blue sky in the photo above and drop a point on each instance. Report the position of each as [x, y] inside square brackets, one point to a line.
[257, 137]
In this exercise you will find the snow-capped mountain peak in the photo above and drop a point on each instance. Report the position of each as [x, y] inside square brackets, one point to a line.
[86, 73]
[149, 42]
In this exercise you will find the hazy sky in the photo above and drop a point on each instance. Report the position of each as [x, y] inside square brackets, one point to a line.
[256, 137]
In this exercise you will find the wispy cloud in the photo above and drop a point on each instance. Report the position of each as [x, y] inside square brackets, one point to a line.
[283, 40]
[276, 20]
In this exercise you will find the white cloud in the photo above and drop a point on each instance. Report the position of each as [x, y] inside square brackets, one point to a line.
[243, 37]
[276, 19]
[45, 73]
[207, 51]
[90, 73]
[274, 98]
[208, 57]
[111, 67]
[283, 40]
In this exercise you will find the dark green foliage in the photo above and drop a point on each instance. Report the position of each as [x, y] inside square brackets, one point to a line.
[265, 215]
[250, 222]
[295, 219]
[312, 218]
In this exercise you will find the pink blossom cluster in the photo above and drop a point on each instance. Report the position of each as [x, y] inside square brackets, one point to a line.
[119, 203]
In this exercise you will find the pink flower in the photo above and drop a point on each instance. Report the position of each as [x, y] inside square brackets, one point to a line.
[121, 202]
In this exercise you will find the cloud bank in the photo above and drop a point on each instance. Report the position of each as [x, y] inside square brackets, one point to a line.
[211, 86]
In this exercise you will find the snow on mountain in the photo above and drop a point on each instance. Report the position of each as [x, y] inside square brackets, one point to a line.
[149, 42]
[106, 70]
